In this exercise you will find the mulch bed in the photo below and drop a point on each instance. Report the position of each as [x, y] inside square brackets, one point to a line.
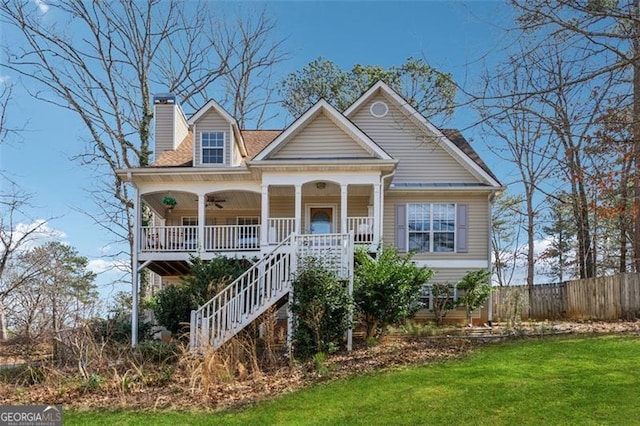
[397, 351]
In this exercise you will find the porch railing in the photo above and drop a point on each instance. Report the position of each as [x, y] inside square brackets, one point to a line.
[168, 238]
[232, 237]
[362, 228]
[279, 229]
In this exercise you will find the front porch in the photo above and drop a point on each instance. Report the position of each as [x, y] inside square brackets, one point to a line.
[234, 238]
[248, 223]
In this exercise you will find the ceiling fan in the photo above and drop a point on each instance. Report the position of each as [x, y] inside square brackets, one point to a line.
[213, 201]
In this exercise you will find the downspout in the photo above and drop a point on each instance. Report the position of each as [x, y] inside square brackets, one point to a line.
[382, 183]
[491, 197]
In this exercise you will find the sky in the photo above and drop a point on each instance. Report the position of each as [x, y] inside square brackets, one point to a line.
[462, 38]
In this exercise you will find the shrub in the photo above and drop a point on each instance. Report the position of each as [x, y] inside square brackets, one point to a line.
[321, 306]
[442, 294]
[386, 288]
[175, 302]
[475, 290]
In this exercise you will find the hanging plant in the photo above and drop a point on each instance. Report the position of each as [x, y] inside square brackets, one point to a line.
[169, 201]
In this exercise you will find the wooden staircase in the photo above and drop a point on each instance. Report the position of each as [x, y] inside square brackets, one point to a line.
[267, 283]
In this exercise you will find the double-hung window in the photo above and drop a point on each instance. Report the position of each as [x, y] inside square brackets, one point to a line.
[212, 147]
[432, 227]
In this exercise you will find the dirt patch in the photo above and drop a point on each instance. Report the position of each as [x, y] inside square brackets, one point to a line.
[180, 391]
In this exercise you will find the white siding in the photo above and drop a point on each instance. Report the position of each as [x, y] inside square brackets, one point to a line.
[212, 122]
[477, 224]
[321, 138]
[420, 157]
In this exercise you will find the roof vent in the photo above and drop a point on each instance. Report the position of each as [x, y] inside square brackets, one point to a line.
[164, 98]
[379, 109]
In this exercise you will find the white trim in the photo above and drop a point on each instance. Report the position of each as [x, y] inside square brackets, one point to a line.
[431, 231]
[224, 149]
[412, 113]
[361, 138]
[332, 206]
[386, 109]
[206, 107]
[457, 264]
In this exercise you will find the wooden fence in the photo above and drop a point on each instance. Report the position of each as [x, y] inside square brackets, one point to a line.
[604, 298]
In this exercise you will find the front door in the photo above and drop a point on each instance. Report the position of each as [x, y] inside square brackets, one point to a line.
[321, 220]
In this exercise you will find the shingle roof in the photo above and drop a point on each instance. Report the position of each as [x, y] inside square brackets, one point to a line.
[257, 140]
[179, 157]
[456, 137]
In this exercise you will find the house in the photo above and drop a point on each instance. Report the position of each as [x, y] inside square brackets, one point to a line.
[378, 173]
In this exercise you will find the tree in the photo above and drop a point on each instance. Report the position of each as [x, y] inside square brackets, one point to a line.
[506, 224]
[608, 34]
[58, 297]
[100, 60]
[442, 294]
[428, 90]
[561, 231]
[386, 288]
[174, 303]
[321, 306]
[525, 141]
[15, 238]
[475, 290]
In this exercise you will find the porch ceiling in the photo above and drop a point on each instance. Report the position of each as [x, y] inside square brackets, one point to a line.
[166, 268]
[233, 200]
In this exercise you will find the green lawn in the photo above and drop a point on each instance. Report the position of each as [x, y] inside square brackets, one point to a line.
[556, 381]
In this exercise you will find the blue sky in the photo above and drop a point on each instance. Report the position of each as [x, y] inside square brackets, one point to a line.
[456, 37]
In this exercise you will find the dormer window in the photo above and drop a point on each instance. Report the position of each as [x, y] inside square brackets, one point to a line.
[212, 147]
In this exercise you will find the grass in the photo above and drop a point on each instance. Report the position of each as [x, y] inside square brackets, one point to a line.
[558, 381]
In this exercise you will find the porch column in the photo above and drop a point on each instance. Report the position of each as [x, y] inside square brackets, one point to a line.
[343, 208]
[298, 209]
[264, 220]
[201, 222]
[377, 217]
[134, 268]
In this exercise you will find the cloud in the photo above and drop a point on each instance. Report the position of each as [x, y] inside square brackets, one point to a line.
[38, 231]
[101, 266]
[4, 79]
[42, 6]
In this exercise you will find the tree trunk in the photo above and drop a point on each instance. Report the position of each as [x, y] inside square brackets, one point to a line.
[636, 137]
[3, 323]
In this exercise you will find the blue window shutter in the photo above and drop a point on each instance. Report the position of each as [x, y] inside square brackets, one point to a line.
[401, 227]
[462, 228]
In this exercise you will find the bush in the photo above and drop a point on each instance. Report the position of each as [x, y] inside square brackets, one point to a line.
[442, 294]
[321, 306]
[173, 305]
[475, 290]
[386, 288]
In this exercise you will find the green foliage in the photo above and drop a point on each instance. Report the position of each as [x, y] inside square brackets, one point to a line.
[321, 306]
[157, 352]
[475, 290]
[173, 305]
[428, 90]
[386, 288]
[118, 328]
[442, 294]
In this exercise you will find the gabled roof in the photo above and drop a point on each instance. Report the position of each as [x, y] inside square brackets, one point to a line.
[460, 150]
[206, 107]
[322, 106]
[211, 104]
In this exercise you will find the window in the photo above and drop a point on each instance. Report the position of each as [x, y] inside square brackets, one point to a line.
[431, 227]
[212, 147]
[190, 235]
[426, 298]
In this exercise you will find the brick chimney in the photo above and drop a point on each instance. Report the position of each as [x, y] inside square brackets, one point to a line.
[171, 125]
